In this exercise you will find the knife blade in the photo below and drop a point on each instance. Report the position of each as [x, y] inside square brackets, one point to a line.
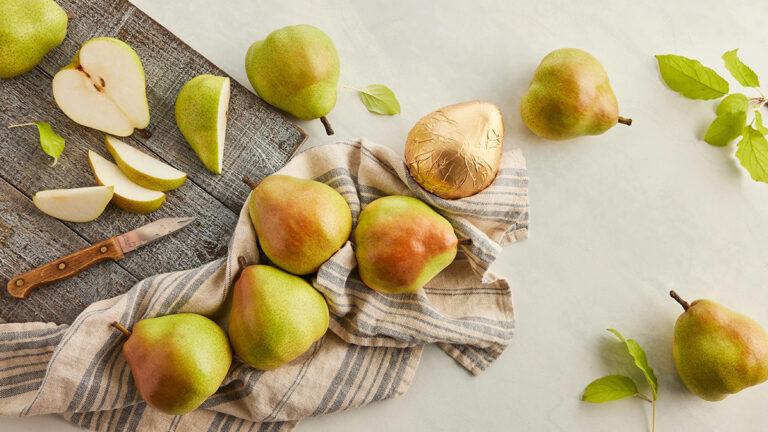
[114, 249]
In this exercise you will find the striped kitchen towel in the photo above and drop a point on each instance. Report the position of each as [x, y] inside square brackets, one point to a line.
[370, 353]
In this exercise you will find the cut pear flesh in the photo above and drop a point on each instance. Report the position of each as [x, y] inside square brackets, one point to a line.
[128, 195]
[103, 88]
[74, 205]
[143, 169]
[201, 114]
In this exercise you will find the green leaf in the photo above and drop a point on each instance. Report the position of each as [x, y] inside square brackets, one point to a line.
[743, 74]
[725, 128]
[52, 143]
[690, 78]
[730, 121]
[753, 154]
[379, 99]
[759, 123]
[736, 102]
[641, 361]
[609, 388]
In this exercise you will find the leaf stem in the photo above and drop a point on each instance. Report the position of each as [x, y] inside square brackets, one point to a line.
[644, 397]
[353, 88]
[653, 421]
[20, 125]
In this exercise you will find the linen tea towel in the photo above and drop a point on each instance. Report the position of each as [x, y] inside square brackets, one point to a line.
[370, 352]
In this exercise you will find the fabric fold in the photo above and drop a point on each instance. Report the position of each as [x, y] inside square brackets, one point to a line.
[370, 353]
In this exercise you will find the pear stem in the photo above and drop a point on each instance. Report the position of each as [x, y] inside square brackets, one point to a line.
[679, 299]
[120, 327]
[625, 121]
[465, 242]
[250, 182]
[243, 263]
[70, 15]
[327, 124]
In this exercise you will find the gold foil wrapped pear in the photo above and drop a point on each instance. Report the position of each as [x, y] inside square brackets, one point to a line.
[454, 152]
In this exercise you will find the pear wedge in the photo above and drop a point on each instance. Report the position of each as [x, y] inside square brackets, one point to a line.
[143, 169]
[74, 205]
[201, 114]
[104, 88]
[128, 195]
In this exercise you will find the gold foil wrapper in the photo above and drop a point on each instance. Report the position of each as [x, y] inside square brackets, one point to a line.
[454, 152]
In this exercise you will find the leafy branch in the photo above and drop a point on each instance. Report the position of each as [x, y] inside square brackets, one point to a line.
[615, 387]
[695, 81]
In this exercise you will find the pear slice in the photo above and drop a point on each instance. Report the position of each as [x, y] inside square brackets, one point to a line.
[74, 205]
[201, 114]
[103, 88]
[128, 195]
[143, 169]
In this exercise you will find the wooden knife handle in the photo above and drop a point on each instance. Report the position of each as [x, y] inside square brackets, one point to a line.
[22, 285]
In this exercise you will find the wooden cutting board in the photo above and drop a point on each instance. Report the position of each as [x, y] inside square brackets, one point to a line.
[259, 141]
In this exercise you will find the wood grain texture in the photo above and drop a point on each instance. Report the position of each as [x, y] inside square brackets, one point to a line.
[28, 239]
[259, 141]
[66, 267]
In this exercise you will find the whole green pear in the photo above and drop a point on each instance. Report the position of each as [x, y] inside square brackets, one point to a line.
[275, 317]
[296, 69]
[401, 244]
[177, 361]
[570, 96]
[717, 351]
[28, 30]
[299, 223]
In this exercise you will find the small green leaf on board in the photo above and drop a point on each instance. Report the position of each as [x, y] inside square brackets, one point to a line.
[51, 143]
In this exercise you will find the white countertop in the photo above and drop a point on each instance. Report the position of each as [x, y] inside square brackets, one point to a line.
[616, 220]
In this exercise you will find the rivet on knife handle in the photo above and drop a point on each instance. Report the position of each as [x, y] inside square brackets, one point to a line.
[21, 286]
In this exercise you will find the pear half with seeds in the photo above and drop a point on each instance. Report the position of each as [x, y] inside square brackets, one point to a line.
[103, 88]
[74, 205]
[128, 195]
[143, 169]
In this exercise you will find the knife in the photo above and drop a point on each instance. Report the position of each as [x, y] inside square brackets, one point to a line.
[113, 248]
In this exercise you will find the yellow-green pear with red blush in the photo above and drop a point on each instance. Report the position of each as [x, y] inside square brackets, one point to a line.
[300, 223]
[718, 352]
[401, 243]
[177, 361]
[275, 316]
[570, 96]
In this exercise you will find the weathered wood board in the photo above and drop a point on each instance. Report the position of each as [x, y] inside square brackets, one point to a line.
[259, 141]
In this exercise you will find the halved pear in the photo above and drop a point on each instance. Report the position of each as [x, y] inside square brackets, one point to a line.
[143, 169]
[103, 88]
[201, 114]
[128, 195]
[74, 205]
